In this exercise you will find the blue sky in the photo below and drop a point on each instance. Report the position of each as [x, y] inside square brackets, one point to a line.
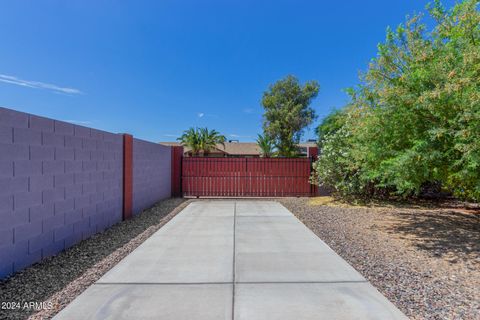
[155, 68]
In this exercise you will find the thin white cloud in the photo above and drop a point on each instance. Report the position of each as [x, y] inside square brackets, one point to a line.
[248, 110]
[171, 135]
[79, 122]
[38, 85]
[207, 115]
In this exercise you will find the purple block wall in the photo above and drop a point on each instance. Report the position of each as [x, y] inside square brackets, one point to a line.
[151, 174]
[59, 183]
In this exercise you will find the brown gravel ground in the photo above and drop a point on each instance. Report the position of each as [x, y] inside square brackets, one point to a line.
[58, 280]
[425, 259]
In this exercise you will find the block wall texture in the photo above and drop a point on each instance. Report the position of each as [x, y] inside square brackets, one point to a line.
[151, 174]
[60, 183]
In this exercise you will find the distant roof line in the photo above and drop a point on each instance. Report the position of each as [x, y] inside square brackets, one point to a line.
[236, 148]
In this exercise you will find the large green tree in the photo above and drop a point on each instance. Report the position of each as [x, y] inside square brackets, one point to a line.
[288, 112]
[329, 125]
[414, 119]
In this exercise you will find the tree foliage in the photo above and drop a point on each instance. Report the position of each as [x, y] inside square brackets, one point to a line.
[201, 140]
[330, 124]
[266, 145]
[288, 112]
[414, 119]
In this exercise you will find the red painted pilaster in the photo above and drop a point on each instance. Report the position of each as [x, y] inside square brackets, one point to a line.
[127, 176]
[313, 153]
[177, 155]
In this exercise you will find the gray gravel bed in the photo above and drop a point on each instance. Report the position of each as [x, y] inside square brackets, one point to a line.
[426, 261]
[56, 281]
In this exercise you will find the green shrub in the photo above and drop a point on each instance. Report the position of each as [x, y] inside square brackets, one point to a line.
[414, 119]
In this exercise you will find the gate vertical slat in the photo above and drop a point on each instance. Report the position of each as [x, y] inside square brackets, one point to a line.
[198, 180]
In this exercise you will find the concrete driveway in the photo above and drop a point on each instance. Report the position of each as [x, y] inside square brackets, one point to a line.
[244, 260]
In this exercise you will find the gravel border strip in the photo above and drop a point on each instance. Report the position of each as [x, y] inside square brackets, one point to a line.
[56, 281]
[62, 298]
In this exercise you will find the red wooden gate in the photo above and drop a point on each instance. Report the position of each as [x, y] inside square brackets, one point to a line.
[246, 177]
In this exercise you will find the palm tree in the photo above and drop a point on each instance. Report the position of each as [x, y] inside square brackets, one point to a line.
[201, 140]
[266, 145]
[191, 138]
[209, 140]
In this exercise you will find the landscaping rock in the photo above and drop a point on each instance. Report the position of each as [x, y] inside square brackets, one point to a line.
[56, 281]
[425, 260]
